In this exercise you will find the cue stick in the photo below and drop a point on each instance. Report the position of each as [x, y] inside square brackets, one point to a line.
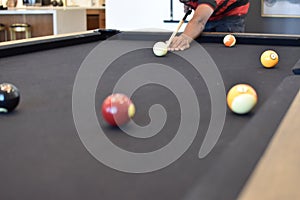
[178, 27]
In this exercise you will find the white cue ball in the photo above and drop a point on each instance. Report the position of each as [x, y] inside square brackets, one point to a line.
[160, 49]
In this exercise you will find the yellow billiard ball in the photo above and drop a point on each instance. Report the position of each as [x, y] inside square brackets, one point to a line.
[269, 59]
[241, 98]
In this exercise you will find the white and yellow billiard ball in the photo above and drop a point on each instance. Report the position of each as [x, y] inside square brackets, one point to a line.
[241, 98]
[160, 49]
[229, 40]
[269, 59]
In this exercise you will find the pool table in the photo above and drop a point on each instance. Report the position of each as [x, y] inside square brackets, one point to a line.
[56, 145]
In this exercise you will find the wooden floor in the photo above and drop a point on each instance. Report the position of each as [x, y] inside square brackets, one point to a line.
[277, 176]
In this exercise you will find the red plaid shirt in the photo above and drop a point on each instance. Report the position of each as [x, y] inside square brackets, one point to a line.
[223, 8]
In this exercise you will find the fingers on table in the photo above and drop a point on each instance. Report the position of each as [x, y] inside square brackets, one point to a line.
[179, 43]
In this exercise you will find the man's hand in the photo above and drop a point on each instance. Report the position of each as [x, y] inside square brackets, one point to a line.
[180, 43]
[193, 29]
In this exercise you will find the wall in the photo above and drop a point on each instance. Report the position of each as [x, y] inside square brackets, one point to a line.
[257, 24]
[138, 14]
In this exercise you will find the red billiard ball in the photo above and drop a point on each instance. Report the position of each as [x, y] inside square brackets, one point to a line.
[117, 109]
[9, 97]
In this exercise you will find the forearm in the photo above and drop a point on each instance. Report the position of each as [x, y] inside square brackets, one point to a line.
[194, 28]
[197, 24]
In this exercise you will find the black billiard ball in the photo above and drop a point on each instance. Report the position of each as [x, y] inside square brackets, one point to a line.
[9, 97]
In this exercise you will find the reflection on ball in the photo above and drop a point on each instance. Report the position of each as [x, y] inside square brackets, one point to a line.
[269, 59]
[160, 49]
[229, 40]
[241, 98]
[117, 109]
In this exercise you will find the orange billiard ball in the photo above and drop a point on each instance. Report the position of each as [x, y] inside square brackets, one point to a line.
[269, 58]
[229, 40]
[241, 98]
[117, 109]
